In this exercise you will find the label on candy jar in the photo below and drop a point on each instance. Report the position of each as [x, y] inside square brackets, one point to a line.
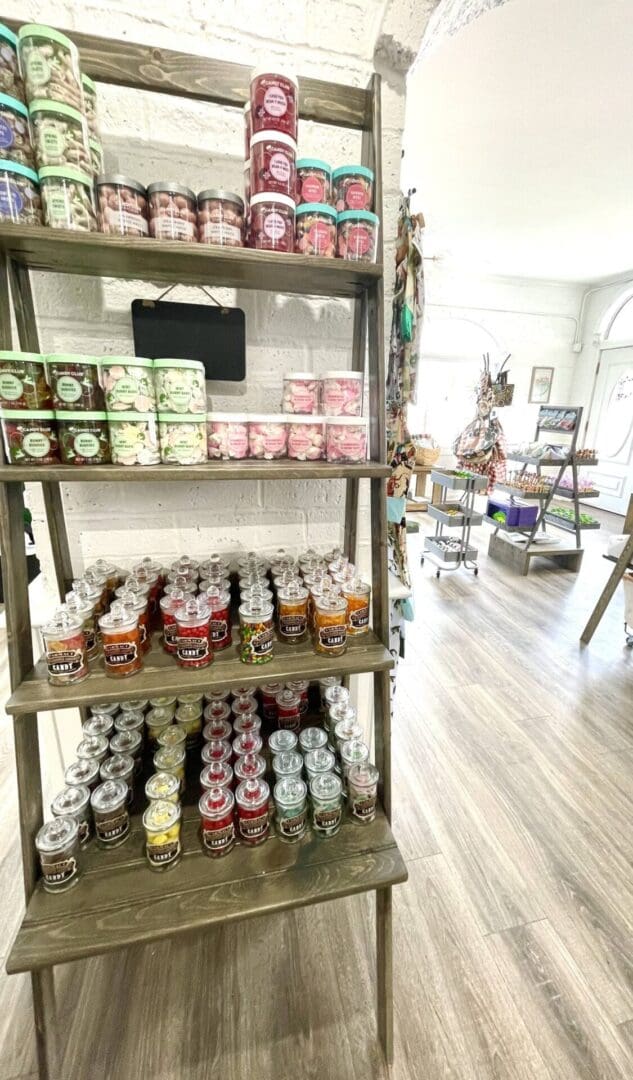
[359, 617]
[68, 389]
[219, 839]
[218, 630]
[298, 442]
[64, 662]
[11, 388]
[352, 444]
[364, 807]
[252, 828]
[6, 134]
[38, 70]
[319, 236]
[333, 398]
[193, 648]
[292, 826]
[36, 444]
[356, 197]
[58, 869]
[312, 190]
[262, 643]
[326, 820]
[274, 225]
[120, 653]
[86, 445]
[217, 232]
[292, 625]
[358, 240]
[332, 637]
[54, 142]
[280, 167]
[238, 441]
[163, 854]
[275, 101]
[11, 201]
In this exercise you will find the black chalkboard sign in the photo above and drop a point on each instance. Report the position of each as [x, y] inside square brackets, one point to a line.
[215, 335]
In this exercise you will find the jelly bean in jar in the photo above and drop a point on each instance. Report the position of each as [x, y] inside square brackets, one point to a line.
[193, 646]
[314, 181]
[274, 101]
[353, 188]
[342, 393]
[346, 439]
[256, 631]
[357, 236]
[216, 774]
[273, 222]
[316, 230]
[172, 212]
[267, 436]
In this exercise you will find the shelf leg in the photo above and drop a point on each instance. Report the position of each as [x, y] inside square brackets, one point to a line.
[43, 989]
[384, 972]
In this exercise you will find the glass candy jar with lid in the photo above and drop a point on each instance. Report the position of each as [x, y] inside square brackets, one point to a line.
[291, 809]
[282, 741]
[193, 648]
[57, 844]
[330, 624]
[317, 762]
[289, 710]
[312, 738]
[292, 613]
[216, 774]
[216, 808]
[288, 763]
[162, 823]
[81, 773]
[249, 767]
[109, 808]
[65, 644]
[256, 632]
[252, 810]
[161, 786]
[362, 791]
[121, 639]
[74, 802]
[326, 793]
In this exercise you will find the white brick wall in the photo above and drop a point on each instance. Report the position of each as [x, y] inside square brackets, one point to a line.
[150, 136]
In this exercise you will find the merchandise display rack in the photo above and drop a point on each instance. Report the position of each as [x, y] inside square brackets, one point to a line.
[119, 902]
[464, 554]
[520, 555]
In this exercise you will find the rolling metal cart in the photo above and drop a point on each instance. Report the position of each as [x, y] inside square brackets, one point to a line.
[446, 551]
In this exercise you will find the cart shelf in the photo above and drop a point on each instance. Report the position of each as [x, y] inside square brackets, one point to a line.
[250, 469]
[120, 902]
[459, 483]
[440, 555]
[453, 521]
[162, 675]
[66, 252]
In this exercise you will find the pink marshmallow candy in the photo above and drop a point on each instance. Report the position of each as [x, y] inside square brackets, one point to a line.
[306, 441]
[342, 393]
[301, 393]
[267, 437]
[227, 436]
[346, 439]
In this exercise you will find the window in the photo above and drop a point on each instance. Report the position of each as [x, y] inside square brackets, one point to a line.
[621, 327]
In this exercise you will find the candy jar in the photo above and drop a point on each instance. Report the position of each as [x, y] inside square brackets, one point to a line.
[269, 693]
[216, 750]
[326, 684]
[256, 632]
[279, 742]
[301, 392]
[248, 723]
[288, 710]
[65, 649]
[162, 822]
[162, 786]
[330, 625]
[156, 721]
[362, 791]
[171, 759]
[317, 762]
[168, 606]
[326, 793]
[81, 773]
[129, 743]
[189, 720]
[119, 767]
[249, 767]
[97, 725]
[291, 809]
[103, 708]
[243, 705]
[342, 393]
[353, 752]
[167, 702]
[312, 738]
[219, 601]
[93, 749]
[109, 807]
[292, 613]
[57, 844]
[193, 648]
[81, 608]
[252, 810]
[131, 720]
[216, 808]
[358, 595]
[121, 642]
[346, 729]
[137, 605]
[248, 742]
[74, 802]
[288, 763]
[334, 695]
[216, 774]
[300, 687]
[173, 736]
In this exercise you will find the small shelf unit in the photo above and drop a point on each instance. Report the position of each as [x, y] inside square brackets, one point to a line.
[119, 902]
[461, 552]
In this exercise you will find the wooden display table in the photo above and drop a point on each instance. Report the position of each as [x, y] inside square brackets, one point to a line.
[419, 502]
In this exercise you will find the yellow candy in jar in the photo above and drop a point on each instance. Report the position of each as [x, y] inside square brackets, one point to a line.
[162, 822]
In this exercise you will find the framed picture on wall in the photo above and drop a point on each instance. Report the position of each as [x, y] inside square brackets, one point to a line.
[540, 385]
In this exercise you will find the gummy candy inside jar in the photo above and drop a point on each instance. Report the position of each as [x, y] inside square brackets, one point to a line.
[357, 236]
[346, 439]
[30, 437]
[162, 823]
[121, 639]
[23, 382]
[300, 393]
[227, 435]
[306, 439]
[65, 648]
[316, 230]
[353, 188]
[267, 437]
[74, 382]
[342, 393]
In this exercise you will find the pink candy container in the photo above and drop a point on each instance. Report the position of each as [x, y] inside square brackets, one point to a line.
[274, 101]
[301, 393]
[346, 439]
[272, 222]
[342, 393]
[273, 157]
[306, 441]
[267, 437]
[227, 435]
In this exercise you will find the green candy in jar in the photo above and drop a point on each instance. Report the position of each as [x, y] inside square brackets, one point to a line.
[256, 631]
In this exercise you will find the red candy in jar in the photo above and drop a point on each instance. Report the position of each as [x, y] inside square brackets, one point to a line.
[252, 810]
[289, 710]
[314, 181]
[219, 600]
[168, 606]
[218, 826]
[193, 647]
[274, 102]
[269, 693]
[216, 750]
[273, 222]
[273, 163]
[353, 188]
[217, 774]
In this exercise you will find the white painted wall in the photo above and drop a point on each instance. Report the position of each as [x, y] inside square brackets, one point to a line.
[151, 137]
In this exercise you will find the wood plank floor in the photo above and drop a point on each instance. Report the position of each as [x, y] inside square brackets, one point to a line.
[513, 938]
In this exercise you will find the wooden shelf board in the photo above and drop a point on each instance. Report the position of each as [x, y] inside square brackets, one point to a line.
[211, 470]
[96, 255]
[120, 902]
[162, 675]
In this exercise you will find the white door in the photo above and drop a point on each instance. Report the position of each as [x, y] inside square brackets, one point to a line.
[612, 431]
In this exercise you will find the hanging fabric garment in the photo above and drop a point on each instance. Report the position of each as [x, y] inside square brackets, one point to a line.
[482, 446]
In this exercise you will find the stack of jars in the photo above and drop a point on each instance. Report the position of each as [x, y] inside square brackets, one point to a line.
[271, 125]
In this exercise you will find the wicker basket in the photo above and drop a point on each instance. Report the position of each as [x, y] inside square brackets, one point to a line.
[426, 455]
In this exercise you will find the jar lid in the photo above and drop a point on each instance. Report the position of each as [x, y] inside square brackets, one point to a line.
[217, 710]
[218, 598]
[105, 707]
[331, 602]
[326, 786]
[20, 170]
[290, 791]
[251, 794]
[161, 702]
[184, 699]
[248, 742]
[134, 705]
[126, 742]
[354, 170]
[216, 696]
[271, 688]
[13, 103]
[218, 727]
[57, 834]
[343, 712]
[8, 35]
[82, 772]
[328, 681]
[288, 699]
[159, 718]
[299, 685]
[241, 691]
[126, 361]
[117, 767]
[363, 774]
[298, 376]
[78, 605]
[216, 774]
[293, 590]
[109, 795]
[166, 362]
[335, 692]
[347, 421]
[218, 193]
[354, 751]
[256, 607]
[195, 610]
[258, 71]
[119, 180]
[271, 135]
[71, 800]
[359, 215]
[128, 417]
[119, 619]
[314, 163]
[26, 414]
[65, 172]
[346, 730]
[97, 725]
[36, 30]
[317, 208]
[71, 417]
[172, 187]
[59, 107]
[271, 197]
[217, 802]
[249, 766]
[215, 750]
[288, 761]
[130, 720]
[169, 757]
[312, 738]
[63, 623]
[23, 357]
[161, 815]
[282, 741]
[319, 760]
[342, 375]
[87, 81]
[172, 736]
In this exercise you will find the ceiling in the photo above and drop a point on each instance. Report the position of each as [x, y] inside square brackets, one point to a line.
[519, 140]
